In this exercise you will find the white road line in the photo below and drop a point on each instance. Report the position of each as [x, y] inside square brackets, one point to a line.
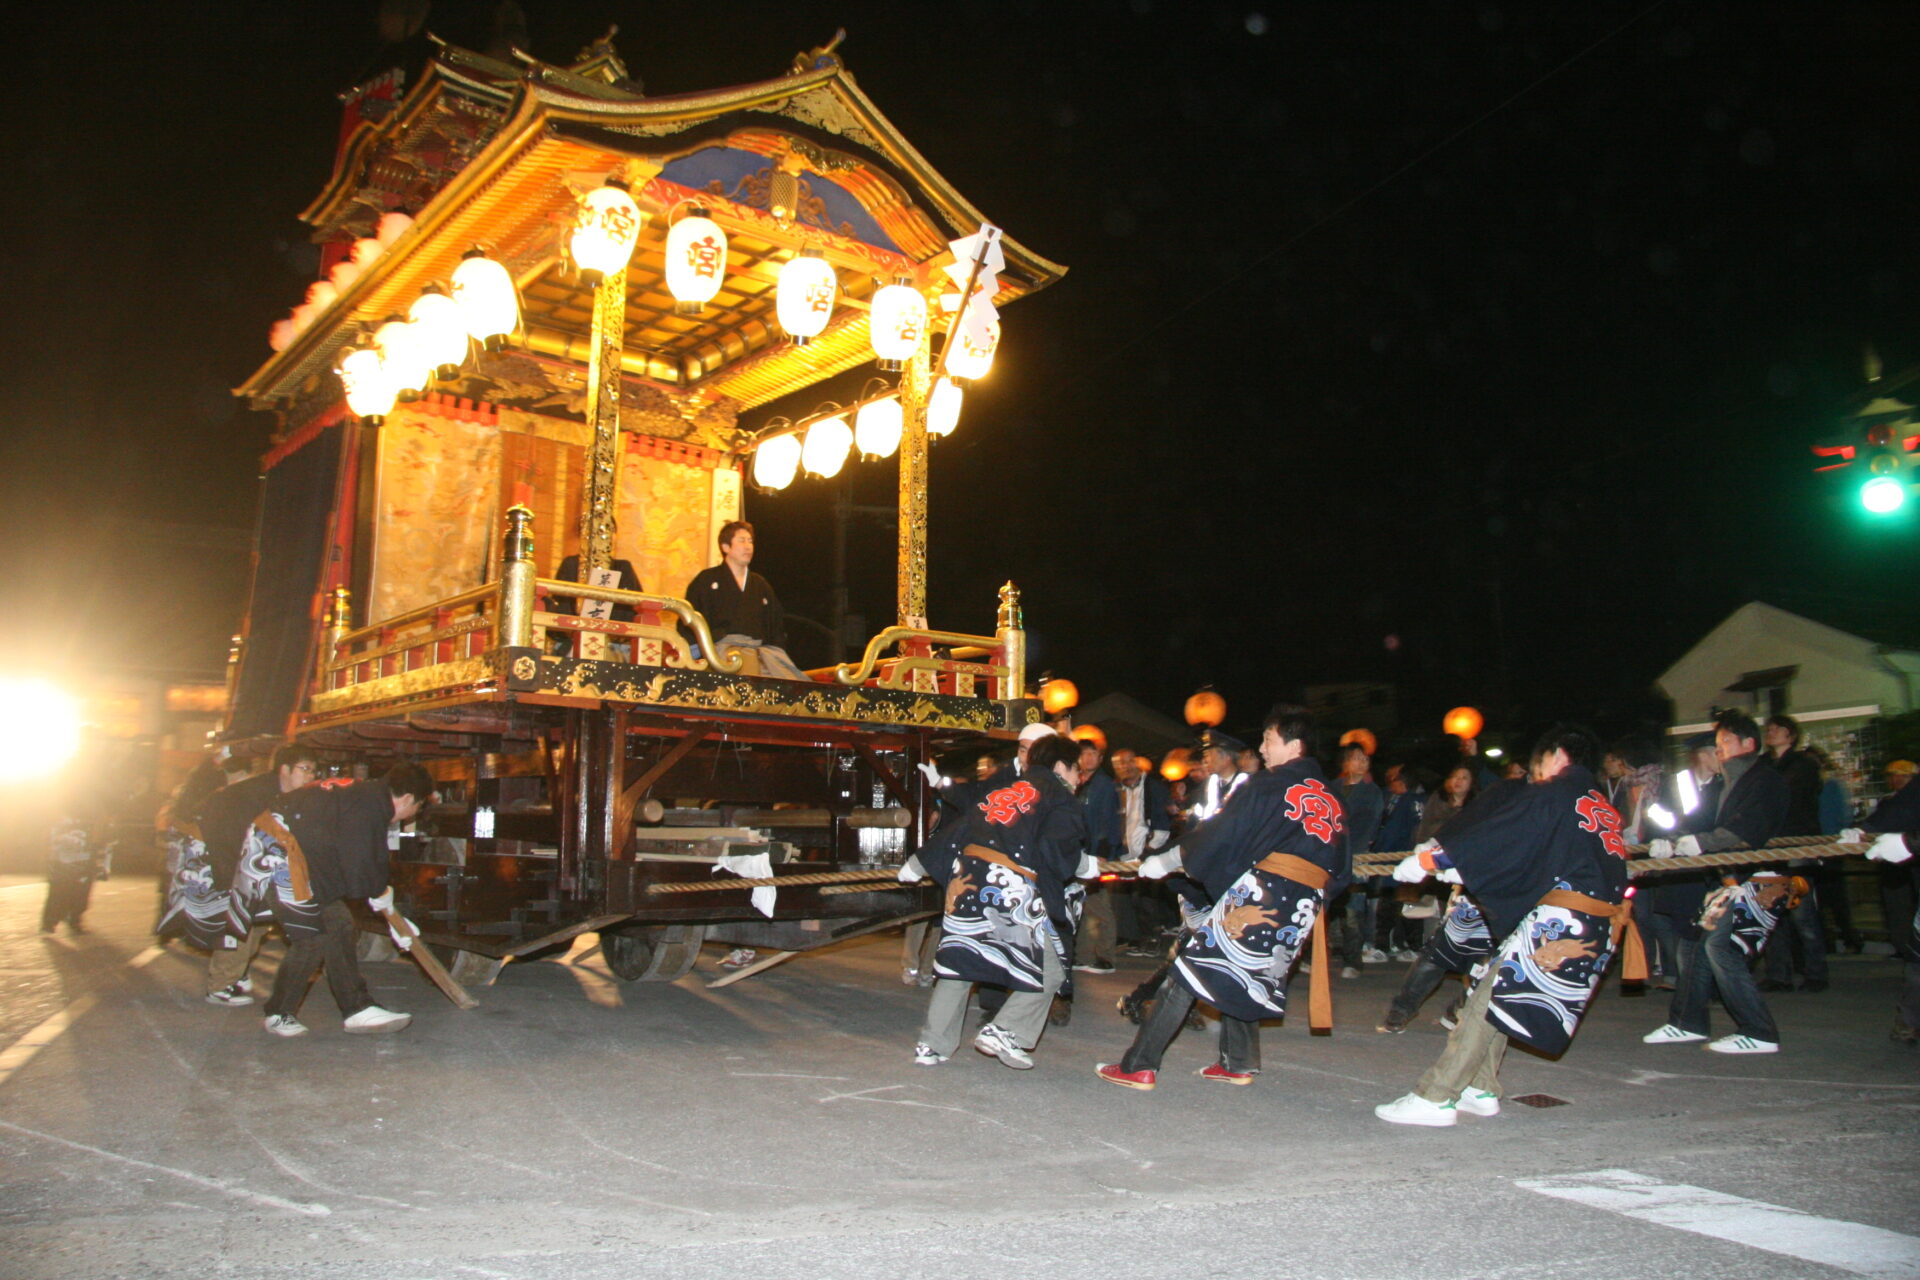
[1851, 1246]
[21, 1051]
[220, 1185]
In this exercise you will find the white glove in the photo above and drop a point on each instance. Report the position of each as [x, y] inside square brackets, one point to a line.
[1155, 839]
[1448, 875]
[1089, 868]
[911, 870]
[1427, 846]
[1660, 849]
[404, 941]
[1409, 871]
[1687, 847]
[382, 903]
[1891, 847]
[932, 773]
[1160, 865]
[1852, 835]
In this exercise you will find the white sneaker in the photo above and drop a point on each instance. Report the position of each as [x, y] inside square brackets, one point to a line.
[282, 1024]
[739, 958]
[1741, 1044]
[996, 1043]
[1477, 1102]
[924, 1056]
[373, 1020]
[1373, 955]
[232, 996]
[1406, 955]
[1670, 1034]
[1349, 972]
[1414, 1109]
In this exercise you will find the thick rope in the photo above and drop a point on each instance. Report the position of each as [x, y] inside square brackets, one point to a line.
[772, 882]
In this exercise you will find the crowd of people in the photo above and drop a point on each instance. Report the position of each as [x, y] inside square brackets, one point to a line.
[1247, 863]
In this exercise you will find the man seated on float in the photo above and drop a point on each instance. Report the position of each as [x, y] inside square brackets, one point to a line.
[560, 643]
[740, 606]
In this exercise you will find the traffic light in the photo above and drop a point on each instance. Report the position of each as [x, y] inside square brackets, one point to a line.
[1880, 439]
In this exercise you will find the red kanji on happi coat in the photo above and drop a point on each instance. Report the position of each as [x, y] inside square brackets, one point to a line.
[1311, 805]
[1598, 816]
[1004, 807]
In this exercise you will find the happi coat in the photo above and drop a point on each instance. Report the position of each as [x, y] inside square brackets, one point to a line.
[316, 846]
[1238, 954]
[1008, 861]
[1559, 837]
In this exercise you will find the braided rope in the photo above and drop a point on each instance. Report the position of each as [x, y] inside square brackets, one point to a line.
[772, 882]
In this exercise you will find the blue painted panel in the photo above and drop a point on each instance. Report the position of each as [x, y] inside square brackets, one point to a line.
[729, 165]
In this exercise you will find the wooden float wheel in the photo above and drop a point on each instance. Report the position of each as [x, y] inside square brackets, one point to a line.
[652, 953]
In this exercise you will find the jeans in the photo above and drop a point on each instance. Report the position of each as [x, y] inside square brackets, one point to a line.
[1239, 1041]
[1424, 976]
[1713, 962]
[1358, 931]
[1800, 940]
[331, 948]
[1662, 934]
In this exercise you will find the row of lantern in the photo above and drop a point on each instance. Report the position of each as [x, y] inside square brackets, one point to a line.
[821, 447]
[433, 340]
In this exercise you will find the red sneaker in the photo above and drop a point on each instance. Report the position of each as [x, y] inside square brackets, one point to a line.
[1224, 1076]
[1112, 1074]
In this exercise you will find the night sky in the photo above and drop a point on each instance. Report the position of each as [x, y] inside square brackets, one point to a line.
[1473, 347]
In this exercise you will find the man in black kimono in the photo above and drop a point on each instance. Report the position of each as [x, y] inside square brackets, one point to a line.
[335, 838]
[740, 606]
[1737, 918]
[1548, 868]
[1266, 864]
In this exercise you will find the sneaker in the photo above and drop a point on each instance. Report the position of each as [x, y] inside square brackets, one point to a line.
[373, 1020]
[1060, 1012]
[1349, 972]
[1670, 1034]
[739, 958]
[1373, 955]
[1112, 1074]
[1742, 1044]
[1451, 1018]
[924, 1056]
[1392, 1026]
[996, 1043]
[1093, 966]
[284, 1024]
[1220, 1073]
[1414, 1109]
[910, 977]
[231, 995]
[1406, 955]
[1477, 1102]
[1131, 1007]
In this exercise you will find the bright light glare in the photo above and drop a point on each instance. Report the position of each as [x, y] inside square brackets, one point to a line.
[39, 729]
[1494, 753]
[1662, 816]
[1883, 495]
[1689, 791]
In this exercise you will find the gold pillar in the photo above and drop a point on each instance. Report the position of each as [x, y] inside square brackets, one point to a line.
[337, 622]
[1012, 634]
[517, 581]
[603, 420]
[916, 384]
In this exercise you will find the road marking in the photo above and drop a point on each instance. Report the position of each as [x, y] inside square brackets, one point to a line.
[1851, 1246]
[201, 1180]
[21, 1051]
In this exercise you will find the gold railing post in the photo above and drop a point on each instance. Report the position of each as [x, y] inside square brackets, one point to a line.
[911, 575]
[337, 622]
[1010, 631]
[516, 581]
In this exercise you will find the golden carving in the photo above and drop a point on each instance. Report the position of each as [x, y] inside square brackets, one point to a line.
[444, 675]
[754, 697]
[910, 581]
[525, 668]
[603, 415]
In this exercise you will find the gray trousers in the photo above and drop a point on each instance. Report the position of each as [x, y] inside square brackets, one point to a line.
[1023, 1016]
[1474, 1048]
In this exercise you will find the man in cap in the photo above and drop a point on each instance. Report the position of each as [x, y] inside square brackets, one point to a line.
[1219, 757]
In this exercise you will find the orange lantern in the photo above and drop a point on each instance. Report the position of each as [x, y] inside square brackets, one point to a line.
[1368, 743]
[1464, 722]
[1089, 733]
[1206, 707]
[1058, 696]
[1177, 765]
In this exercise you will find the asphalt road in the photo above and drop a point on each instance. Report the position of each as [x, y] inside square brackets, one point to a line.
[575, 1126]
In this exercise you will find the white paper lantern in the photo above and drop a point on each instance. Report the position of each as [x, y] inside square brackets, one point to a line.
[489, 304]
[401, 356]
[896, 324]
[877, 427]
[440, 330]
[943, 408]
[804, 299]
[828, 442]
[696, 262]
[971, 353]
[370, 393]
[776, 462]
[605, 231]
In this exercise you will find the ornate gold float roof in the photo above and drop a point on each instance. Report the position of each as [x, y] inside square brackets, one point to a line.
[484, 153]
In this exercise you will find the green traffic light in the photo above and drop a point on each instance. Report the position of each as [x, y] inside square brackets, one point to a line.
[1883, 495]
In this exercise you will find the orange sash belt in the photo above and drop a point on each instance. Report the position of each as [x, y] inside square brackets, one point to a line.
[1633, 959]
[1320, 988]
[301, 881]
[999, 859]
